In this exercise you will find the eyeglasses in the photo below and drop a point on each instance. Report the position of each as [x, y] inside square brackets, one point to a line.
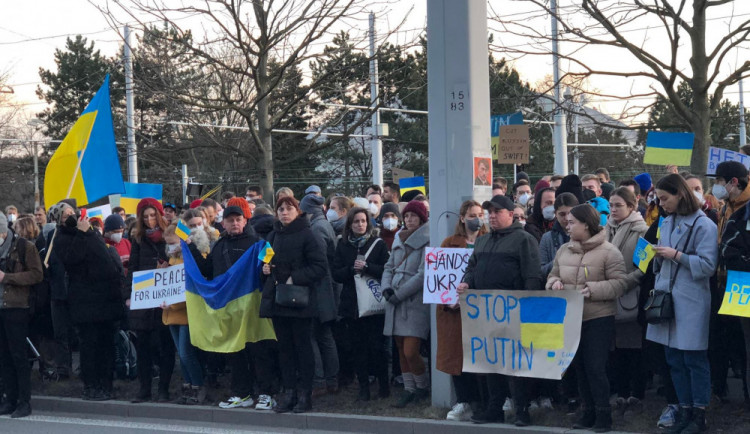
[516, 218]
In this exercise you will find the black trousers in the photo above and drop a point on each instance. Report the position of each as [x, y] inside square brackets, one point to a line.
[591, 364]
[254, 362]
[365, 336]
[62, 327]
[97, 342]
[466, 387]
[629, 372]
[295, 352]
[151, 344]
[14, 362]
[498, 389]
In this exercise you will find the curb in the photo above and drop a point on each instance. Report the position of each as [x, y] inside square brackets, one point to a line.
[306, 421]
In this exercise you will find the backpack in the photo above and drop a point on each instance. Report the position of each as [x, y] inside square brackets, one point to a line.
[126, 359]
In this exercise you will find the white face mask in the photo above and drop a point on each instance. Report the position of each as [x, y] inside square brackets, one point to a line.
[172, 248]
[548, 212]
[12, 217]
[332, 215]
[524, 198]
[391, 223]
[219, 218]
[115, 237]
[373, 209]
[719, 191]
[200, 226]
[700, 197]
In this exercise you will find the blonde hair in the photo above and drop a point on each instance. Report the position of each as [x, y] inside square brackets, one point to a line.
[27, 228]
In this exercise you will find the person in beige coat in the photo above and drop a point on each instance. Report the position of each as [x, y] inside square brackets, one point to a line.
[624, 226]
[594, 267]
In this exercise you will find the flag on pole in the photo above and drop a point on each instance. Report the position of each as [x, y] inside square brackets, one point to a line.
[135, 192]
[266, 254]
[182, 230]
[85, 165]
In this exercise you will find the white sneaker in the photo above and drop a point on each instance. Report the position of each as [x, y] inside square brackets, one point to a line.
[545, 403]
[460, 412]
[236, 401]
[508, 406]
[265, 402]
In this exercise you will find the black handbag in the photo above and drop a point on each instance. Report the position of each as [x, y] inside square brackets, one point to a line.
[291, 295]
[659, 306]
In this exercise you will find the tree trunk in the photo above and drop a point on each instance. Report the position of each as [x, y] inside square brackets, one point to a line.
[701, 110]
[264, 129]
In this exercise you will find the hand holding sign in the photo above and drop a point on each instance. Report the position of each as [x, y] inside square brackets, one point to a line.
[444, 270]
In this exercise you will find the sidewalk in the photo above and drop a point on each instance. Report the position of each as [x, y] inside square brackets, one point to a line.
[307, 421]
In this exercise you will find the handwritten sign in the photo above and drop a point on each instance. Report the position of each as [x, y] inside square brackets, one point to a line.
[717, 156]
[151, 288]
[514, 145]
[497, 121]
[737, 294]
[520, 333]
[443, 271]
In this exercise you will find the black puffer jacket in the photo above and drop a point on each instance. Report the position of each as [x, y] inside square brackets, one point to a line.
[225, 252]
[297, 254]
[262, 224]
[343, 270]
[95, 275]
[145, 255]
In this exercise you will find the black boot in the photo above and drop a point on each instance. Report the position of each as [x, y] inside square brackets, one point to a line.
[144, 393]
[697, 422]
[22, 410]
[683, 419]
[586, 420]
[364, 393]
[7, 408]
[286, 402]
[304, 401]
[384, 387]
[603, 419]
[523, 418]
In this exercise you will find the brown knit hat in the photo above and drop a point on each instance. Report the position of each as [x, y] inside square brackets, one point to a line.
[418, 208]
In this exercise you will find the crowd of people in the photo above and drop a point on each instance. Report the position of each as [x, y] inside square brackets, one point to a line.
[73, 275]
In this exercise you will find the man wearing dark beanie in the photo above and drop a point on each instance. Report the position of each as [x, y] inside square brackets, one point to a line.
[571, 184]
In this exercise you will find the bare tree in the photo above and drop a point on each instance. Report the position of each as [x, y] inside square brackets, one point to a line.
[677, 27]
[248, 50]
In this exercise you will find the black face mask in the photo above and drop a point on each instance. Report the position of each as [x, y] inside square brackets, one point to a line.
[71, 221]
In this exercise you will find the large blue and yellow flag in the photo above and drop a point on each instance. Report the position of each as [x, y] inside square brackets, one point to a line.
[135, 192]
[665, 148]
[223, 312]
[85, 165]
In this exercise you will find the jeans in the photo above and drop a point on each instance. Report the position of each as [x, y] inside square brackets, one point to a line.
[191, 369]
[369, 347]
[146, 349]
[591, 361]
[326, 355]
[97, 354]
[629, 372]
[14, 364]
[61, 326]
[295, 352]
[691, 376]
[255, 361]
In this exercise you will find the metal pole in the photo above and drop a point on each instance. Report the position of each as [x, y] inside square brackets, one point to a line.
[743, 134]
[184, 184]
[559, 138]
[132, 152]
[377, 144]
[36, 177]
[576, 160]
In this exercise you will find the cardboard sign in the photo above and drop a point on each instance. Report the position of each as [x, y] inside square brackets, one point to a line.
[400, 173]
[151, 288]
[736, 300]
[514, 145]
[496, 122]
[443, 271]
[520, 333]
[718, 155]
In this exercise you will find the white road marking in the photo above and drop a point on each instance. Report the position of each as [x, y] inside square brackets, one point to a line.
[133, 425]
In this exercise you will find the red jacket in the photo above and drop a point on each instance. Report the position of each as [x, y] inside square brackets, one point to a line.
[123, 249]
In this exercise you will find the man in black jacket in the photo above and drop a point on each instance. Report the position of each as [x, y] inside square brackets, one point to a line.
[506, 258]
[237, 239]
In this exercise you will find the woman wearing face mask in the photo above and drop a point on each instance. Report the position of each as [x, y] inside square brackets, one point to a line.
[148, 251]
[624, 227]
[595, 268]
[390, 223]
[449, 358]
[360, 251]
[114, 227]
[337, 211]
[175, 317]
[542, 217]
[213, 233]
[696, 186]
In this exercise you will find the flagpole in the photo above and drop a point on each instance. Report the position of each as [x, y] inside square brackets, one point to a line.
[75, 173]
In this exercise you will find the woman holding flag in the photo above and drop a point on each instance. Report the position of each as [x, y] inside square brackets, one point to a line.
[298, 266]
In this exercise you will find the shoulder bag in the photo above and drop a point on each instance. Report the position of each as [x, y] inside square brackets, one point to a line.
[370, 299]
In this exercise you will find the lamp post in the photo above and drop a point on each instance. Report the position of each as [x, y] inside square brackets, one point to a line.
[36, 123]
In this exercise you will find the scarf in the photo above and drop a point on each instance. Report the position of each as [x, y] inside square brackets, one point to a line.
[359, 241]
[155, 234]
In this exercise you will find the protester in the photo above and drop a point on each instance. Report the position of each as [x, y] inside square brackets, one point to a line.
[499, 183]
[542, 217]
[688, 239]
[555, 181]
[391, 192]
[226, 196]
[374, 188]
[254, 192]
[607, 185]
[571, 184]
[390, 223]
[595, 268]
[506, 258]
[696, 186]
[170, 212]
[299, 263]
[624, 227]
[40, 216]
[20, 269]
[558, 235]
[522, 192]
[337, 211]
[407, 319]
[449, 357]
[262, 221]
[633, 186]
[284, 192]
[11, 213]
[148, 251]
[121, 211]
[242, 204]
[592, 193]
[113, 230]
[376, 202]
[213, 213]
[314, 190]
[361, 252]
[519, 215]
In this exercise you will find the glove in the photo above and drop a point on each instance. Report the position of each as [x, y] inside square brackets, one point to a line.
[388, 293]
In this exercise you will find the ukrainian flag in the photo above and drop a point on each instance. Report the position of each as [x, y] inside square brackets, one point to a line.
[85, 165]
[182, 230]
[643, 254]
[224, 312]
[542, 322]
[135, 192]
[668, 148]
[413, 183]
[266, 254]
[143, 280]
